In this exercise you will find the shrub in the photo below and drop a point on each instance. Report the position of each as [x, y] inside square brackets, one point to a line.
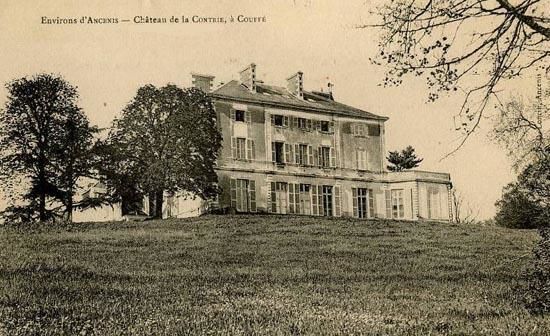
[517, 210]
[538, 289]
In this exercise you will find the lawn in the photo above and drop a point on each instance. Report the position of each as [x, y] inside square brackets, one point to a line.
[265, 275]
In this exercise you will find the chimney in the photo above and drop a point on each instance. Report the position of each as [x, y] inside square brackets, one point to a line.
[248, 77]
[203, 82]
[295, 84]
[329, 89]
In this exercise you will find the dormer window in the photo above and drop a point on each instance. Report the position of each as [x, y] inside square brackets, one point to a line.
[240, 115]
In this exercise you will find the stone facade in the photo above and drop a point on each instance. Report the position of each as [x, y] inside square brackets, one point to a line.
[289, 151]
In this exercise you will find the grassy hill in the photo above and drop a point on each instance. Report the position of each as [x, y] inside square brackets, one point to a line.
[265, 275]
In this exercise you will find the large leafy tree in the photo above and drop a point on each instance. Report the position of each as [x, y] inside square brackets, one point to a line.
[406, 159]
[166, 139]
[468, 46]
[44, 142]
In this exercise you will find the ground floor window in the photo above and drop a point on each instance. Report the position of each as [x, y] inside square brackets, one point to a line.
[363, 202]
[394, 204]
[305, 199]
[434, 204]
[243, 195]
[279, 199]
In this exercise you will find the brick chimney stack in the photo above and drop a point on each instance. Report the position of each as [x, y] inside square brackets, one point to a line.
[295, 84]
[203, 82]
[248, 77]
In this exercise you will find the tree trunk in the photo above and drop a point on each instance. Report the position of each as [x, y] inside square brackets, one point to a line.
[69, 206]
[42, 196]
[151, 211]
[159, 197]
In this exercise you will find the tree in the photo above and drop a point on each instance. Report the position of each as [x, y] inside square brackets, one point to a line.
[520, 129]
[44, 141]
[516, 210]
[405, 160]
[167, 139]
[471, 45]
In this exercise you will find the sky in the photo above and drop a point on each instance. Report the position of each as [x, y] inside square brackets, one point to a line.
[109, 62]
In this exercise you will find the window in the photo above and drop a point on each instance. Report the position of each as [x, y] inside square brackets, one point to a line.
[394, 204]
[279, 202]
[243, 149]
[361, 157]
[302, 154]
[326, 157]
[243, 195]
[327, 201]
[240, 115]
[240, 147]
[277, 152]
[359, 130]
[325, 126]
[279, 120]
[434, 205]
[303, 124]
[305, 199]
[363, 201]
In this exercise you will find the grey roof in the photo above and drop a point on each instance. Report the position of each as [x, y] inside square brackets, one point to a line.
[277, 96]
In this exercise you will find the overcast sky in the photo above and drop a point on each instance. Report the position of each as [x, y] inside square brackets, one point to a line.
[109, 62]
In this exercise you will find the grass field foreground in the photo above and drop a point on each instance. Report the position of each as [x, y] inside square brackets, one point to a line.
[265, 275]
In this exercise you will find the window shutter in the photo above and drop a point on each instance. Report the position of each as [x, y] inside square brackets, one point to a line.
[337, 202]
[310, 155]
[319, 157]
[318, 125]
[249, 149]
[248, 117]
[297, 197]
[252, 195]
[332, 155]
[371, 203]
[234, 147]
[232, 114]
[357, 158]
[233, 193]
[273, 152]
[314, 199]
[273, 198]
[331, 127]
[288, 153]
[285, 121]
[388, 203]
[253, 150]
[291, 201]
[308, 124]
[295, 122]
[354, 129]
[297, 156]
[355, 203]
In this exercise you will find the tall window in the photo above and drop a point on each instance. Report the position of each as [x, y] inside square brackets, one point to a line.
[324, 157]
[240, 148]
[363, 202]
[394, 204]
[327, 201]
[278, 152]
[279, 200]
[302, 154]
[434, 204]
[243, 195]
[361, 157]
[305, 199]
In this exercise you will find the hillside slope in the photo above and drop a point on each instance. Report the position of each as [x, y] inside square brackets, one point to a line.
[265, 275]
